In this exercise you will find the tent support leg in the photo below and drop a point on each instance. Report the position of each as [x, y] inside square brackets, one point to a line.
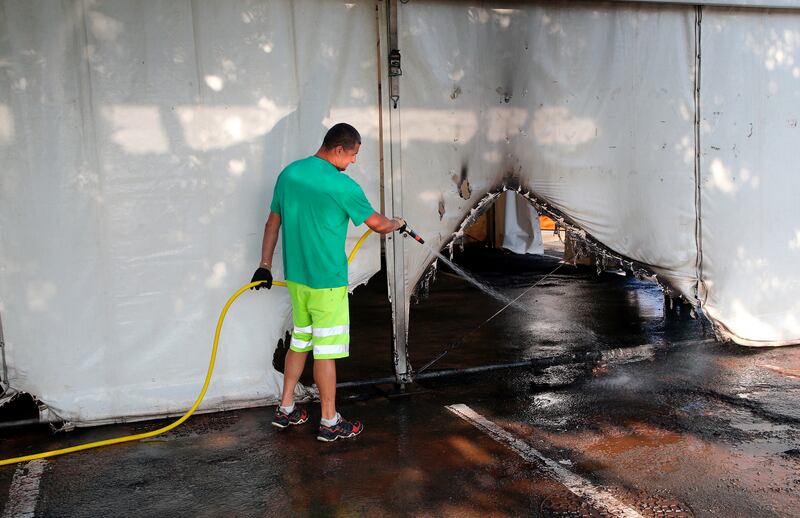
[393, 191]
[4, 384]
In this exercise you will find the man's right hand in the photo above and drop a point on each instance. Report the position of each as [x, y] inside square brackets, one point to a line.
[400, 223]
[264, 276]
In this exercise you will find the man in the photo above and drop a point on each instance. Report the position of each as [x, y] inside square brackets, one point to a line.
[313, 200]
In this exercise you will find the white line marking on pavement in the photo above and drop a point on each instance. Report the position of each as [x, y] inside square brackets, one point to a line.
[575, 483]
[24, 491]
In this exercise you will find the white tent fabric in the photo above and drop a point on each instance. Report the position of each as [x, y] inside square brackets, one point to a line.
[139, 145]
[750, 187]
[590, 108]
[140, 141]
[521, 231]
[543, 96]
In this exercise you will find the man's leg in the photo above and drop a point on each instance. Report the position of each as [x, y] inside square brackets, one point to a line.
[325, 378]
[292, 369]
[332, 426]
[331, 341]
[287, 414]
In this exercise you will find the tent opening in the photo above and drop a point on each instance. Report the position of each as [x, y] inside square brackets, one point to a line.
[547, 295]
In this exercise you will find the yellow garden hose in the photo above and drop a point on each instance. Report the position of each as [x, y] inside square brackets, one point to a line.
[185, 416]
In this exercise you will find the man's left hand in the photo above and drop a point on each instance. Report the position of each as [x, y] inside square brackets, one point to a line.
[264, 276]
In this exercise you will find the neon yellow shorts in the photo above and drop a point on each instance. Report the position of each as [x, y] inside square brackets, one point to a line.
[321, 321]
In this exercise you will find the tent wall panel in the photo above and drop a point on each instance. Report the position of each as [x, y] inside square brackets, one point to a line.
[750, 192]
[139, 145]
[543, 97]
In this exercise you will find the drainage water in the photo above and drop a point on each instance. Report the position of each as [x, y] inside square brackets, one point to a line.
[472, 280]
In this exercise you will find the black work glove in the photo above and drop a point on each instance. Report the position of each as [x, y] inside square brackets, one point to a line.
[263, 275]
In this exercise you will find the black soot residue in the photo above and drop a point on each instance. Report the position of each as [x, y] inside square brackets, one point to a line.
[464, 190]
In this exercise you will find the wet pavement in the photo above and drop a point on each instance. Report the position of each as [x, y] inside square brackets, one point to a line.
[663, 421]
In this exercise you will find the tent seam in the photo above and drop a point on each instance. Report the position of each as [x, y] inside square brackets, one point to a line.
[700, 291]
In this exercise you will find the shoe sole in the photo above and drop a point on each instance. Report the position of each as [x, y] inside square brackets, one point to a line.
[323, 439]
[282, 426]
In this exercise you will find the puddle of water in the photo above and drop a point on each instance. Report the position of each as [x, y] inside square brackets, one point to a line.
[763, 426]
[783, 371]
[619, 441]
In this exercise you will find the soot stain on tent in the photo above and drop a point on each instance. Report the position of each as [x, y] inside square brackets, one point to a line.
[505, 93]
[462, 183]
[279, 357]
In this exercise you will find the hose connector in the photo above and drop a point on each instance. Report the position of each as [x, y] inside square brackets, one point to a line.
[410, 233]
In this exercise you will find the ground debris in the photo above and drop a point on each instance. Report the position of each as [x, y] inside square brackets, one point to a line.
[793, 453]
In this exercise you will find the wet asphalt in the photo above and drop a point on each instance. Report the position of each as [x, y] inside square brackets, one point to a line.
[662, 417]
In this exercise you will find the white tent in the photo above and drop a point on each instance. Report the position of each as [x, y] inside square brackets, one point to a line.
[140, 141]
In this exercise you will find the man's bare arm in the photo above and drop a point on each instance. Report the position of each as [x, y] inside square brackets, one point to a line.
[270, 240]
[383, 225]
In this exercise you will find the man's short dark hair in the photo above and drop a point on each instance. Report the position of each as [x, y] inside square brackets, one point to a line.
[341, 134]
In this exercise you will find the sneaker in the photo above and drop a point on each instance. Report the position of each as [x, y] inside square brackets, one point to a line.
[282, 419]
[341, 430]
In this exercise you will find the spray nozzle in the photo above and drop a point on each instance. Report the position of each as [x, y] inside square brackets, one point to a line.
[410, 233]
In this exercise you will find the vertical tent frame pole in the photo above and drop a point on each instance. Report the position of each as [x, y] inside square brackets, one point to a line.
[4, 381]
[395, 244]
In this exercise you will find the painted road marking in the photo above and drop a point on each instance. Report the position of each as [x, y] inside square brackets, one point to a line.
[24, 491]
[580, 486]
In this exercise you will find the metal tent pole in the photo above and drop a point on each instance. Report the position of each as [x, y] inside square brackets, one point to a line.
[395, 245]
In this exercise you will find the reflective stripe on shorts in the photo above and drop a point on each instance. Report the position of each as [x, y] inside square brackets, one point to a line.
[300, 346]
[330, 331]
[334, 350]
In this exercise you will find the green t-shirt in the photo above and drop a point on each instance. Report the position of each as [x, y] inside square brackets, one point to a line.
[315, 201]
